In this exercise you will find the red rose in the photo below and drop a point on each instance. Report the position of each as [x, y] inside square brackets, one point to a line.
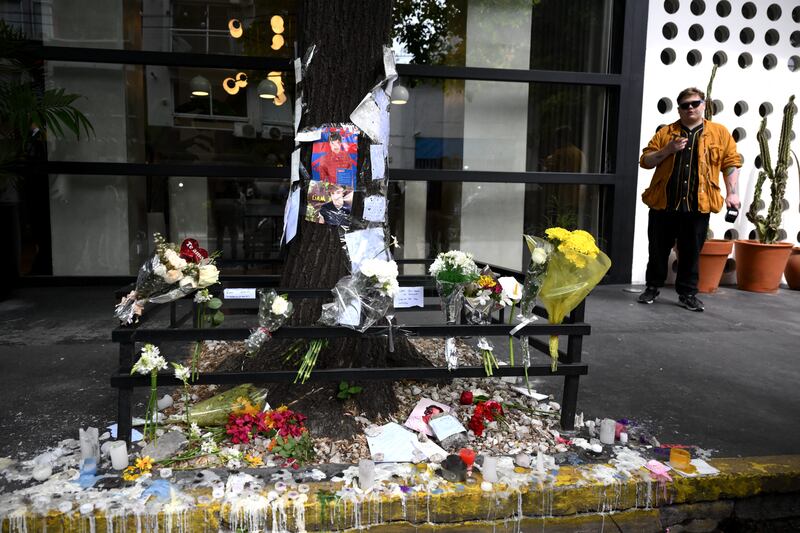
[476, 425]
[466, 398]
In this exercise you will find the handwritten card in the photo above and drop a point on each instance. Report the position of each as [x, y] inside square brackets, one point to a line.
[374, 208]
[445, 426]
[392, 444]
[239, 294]
[409, 297]
[378, 161]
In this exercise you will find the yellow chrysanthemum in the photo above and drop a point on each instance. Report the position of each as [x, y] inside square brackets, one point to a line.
[254, 460]
[282, 408]
[486, 282]
[130, 474]
[557, 234]
[145, 464]
[243, 406]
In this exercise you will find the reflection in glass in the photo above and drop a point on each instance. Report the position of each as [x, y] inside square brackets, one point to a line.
[480, 125]
[579, 35]
[159, 114]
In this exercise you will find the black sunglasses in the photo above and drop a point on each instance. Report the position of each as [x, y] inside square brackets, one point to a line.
[693, 104]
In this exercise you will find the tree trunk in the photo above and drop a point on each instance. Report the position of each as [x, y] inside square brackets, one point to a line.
[348, 61]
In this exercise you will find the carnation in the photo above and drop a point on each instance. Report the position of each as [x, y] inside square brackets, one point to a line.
[279, 305]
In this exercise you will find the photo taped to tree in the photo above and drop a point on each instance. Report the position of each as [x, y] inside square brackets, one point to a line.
[334, 159]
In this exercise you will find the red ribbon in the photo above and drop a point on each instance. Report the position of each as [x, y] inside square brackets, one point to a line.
[191, 251]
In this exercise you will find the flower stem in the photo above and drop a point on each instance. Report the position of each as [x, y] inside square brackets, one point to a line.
[198, 346]
[151, 413]
[511, 338]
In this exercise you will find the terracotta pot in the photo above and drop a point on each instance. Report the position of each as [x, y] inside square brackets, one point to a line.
[713, 256]
[792, 271]
[759, 267]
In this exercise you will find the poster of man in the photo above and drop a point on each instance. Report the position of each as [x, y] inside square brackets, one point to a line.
[334, 159]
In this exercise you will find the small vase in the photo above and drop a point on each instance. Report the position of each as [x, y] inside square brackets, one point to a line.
[792, 271]
[452, 296]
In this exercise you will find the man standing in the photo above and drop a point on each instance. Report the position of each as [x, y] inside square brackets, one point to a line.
[688, 155]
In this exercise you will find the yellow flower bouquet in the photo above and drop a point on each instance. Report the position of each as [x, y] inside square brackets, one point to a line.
[576, 266]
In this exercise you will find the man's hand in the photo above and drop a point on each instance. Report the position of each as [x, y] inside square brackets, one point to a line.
[732, 200]
[675, 145]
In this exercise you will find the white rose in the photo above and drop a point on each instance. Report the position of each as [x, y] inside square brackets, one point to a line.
[207, 275]
[539, 256]
[173, 276]
[175, 261]
[511, 287]
[279, 306]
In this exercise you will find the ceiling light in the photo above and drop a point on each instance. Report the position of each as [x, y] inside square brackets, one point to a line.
[267, 89]
[200, 86]
[399, 95]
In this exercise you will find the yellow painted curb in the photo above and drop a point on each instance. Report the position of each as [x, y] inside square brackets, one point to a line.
[572, 500]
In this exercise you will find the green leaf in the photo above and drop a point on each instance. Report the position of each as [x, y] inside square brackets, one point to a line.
[214, 303]
[343, 385]
[354, 390]
[217, 319]
[343, 395]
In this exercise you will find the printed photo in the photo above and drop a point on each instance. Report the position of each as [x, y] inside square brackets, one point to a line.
[334, 160]
[421, 414]
[329, 203]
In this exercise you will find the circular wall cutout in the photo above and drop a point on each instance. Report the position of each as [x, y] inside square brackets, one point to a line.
[694, 57]
[668, 56]
[784, 204]
[745, 60]
[723, 8]
[730, 264]
[794, 38]
[738, 134]
[698, 7]
[757, 163]
[659, 127]
[765, 109]
[772, 37]
[782, 234]
[796, 14]
[793, 63]
[709, 233]
[696, 32]
[767, 134]
[752, 235]
[798, 236]
[749, 10]
[770, 61]
[716, 107]
[721, 34]
[741, 159]
[740, 108]
[731, 235]
[670, 30]
[671, 6]
[720, 58]
[760, 205]
[774, 12]
[747, 35]
[664, 105]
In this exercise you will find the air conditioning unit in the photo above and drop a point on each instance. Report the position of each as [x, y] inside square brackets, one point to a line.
[244, 129]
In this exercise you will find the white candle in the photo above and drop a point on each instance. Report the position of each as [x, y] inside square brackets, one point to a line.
[539, 463]
[607, 429]
[489, 469]
[623, 438]
[119, 455]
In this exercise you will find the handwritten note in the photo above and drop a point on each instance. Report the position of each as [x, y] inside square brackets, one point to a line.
[374, 208]
[409, 297]
[445, 426]
[239, 294]
[365, 244]
[296, 165]
[308, 136]
[378, 161]
[290, 214]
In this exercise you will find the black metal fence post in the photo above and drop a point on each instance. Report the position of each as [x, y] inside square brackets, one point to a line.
[125, 396]
[569, 400]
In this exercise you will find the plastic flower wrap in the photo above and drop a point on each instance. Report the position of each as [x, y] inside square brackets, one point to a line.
[452, 271]
[576, 266]
[171, 273]
[363, 298]
[150, 362]
[540, 250]
[273, 311]
[481, 298]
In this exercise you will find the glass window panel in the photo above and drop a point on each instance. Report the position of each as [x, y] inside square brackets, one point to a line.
[502, 126]
[432, 217]
[579, 35]
[150, 114]
[237, 28]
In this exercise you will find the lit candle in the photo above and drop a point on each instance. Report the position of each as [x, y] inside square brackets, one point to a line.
[119, 455]
[607, 429]
[489, 469]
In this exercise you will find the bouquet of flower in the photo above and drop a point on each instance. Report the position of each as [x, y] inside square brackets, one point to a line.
[452, 271]
[363, 298]
[150, 362]
[576, 266]
[481, 298]
[171, 273]
[540, 250]
[273, 311]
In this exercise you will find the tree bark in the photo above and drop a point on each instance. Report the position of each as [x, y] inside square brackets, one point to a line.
[348, 61]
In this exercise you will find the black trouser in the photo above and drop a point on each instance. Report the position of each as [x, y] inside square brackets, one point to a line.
[663, 229]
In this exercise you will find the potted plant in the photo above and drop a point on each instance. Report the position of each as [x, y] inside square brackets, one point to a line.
[792, 271]
[713, 257]
[28, 112]
[760, 263]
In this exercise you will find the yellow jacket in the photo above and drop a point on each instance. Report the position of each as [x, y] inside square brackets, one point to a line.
[717, 151]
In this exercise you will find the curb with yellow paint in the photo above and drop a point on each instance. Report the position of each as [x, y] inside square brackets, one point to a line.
[571, 502]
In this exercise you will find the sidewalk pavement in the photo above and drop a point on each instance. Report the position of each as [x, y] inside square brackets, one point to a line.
[724, 380]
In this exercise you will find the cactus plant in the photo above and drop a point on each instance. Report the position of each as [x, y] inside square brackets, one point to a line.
[709, 112]
[767, 227]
